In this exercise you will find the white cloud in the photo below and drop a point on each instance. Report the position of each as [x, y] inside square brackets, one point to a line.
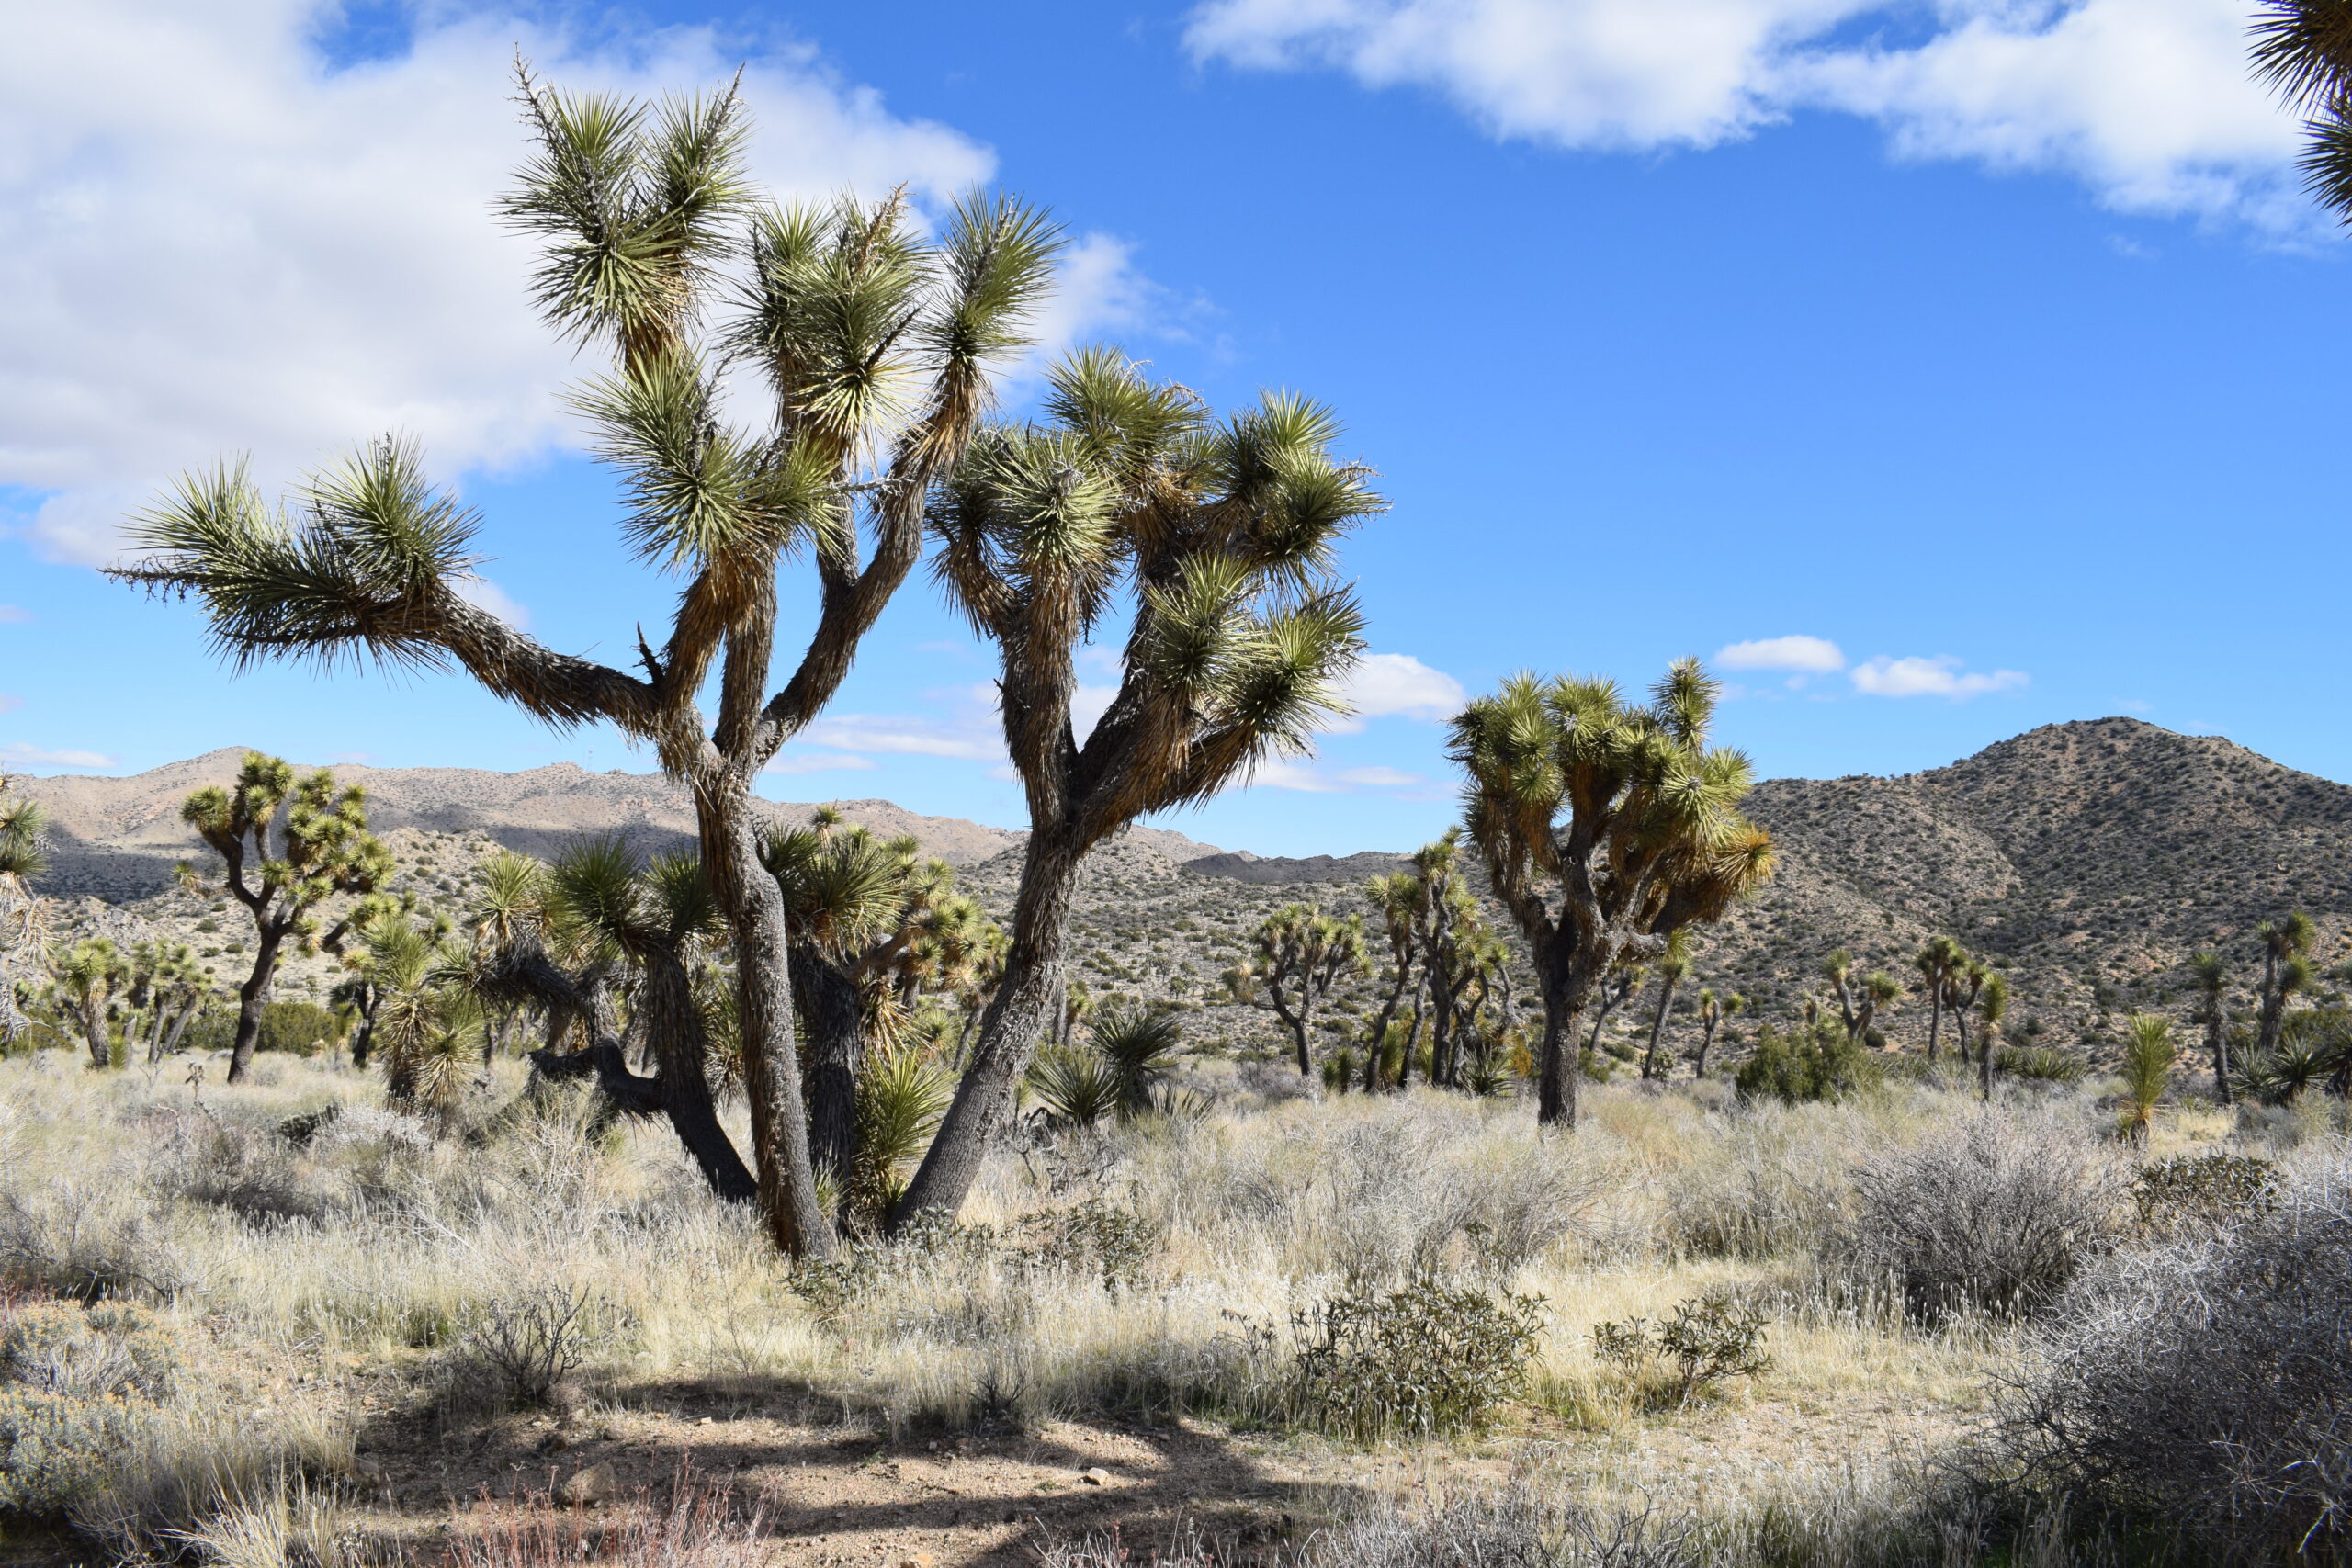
[1379, 778]
[904, 735]
[484, 594]
[16, 753]
[9, 703]
[11, 614]
[1938, 677]
[793, 761]
[1086, 706]
[1813, 654]
[1310, 780]
[2149, 102]
[1386, 684]
[211, 241]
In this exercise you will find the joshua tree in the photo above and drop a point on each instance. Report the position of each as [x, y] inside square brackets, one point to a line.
[1672, 965]
[1712, 1010]
[2303, 50]
[1397, 897]
[2286, 970]
[286, 848]
[876, 348]
[24, 917]
[2147, 1070]
[1449, 928]
[1937, 960]
[90, 979]
[1964, 983]
[1301, 954]
[2212, 978]
[1992, 1007]
[1625, 811]
[169, 988]
[1859, 998]
[386, 956]
[1220, 537]
[1624, 982]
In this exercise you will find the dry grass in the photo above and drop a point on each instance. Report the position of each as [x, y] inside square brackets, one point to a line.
[311, 1285]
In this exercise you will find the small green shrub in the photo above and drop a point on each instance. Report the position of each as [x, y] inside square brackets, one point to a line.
[1707, 1342]
[1423, 1360]
[1097, 1236]
[519, 1350]
[2043, 1063]
[1800, 1068]
[58, 1449]
[77, 1387]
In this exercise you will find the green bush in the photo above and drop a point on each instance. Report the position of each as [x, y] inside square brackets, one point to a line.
[2045, 1064]
[1799, 1069]
[2191, 1194]
[1706, 1342]
[77, 1387]
[1423, 1360]
[56, 1449]
[285, 1026]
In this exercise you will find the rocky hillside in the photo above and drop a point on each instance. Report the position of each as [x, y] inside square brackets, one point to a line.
[2087, 860]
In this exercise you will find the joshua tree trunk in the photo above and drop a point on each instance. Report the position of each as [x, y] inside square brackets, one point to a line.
[836, 1055]
[1564, 1005]
[1706, 1039]
[753, 905]
[1296, 1022]
[251, 996]
[94, 1031]
[1986, 1038]
[1009, 1032]
[2217, 1042]
[1665, 984]
[674, 1029]
[1959, 1037]
[1935, 1025]
[1412, 1035]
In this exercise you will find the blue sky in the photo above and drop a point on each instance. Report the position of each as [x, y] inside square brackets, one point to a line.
[1941, 370]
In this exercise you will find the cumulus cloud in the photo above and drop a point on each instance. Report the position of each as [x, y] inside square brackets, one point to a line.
[17, 753]
[1938, 677]
[1814, 655]
[1086, 706]
[215, 242]
[1308, 779]
[484, 594]
[2147, 101]
[1397, 685]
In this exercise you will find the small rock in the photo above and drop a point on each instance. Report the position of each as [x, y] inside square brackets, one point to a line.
[1098, 1476]
[587, 1488]
[917, 1560]
[704, 1422]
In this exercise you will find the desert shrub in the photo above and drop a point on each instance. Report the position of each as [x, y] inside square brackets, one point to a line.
[1770, 1184]
[288, 1025]
[1706, 1343]
[519, 1349]
[252, 1173]
[1797, 1068]
[89, 1239]
[2206, 1384]
[2194, 1193]
[1993, 1213]
[77, 1386]
[1424, 1359]
[1096, 1236]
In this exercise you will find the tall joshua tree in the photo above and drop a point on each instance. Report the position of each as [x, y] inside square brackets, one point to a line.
[1992, 1007]
[91, 979]
[1964, 983]
[2212, 976]
[1219, 534]
[2286, 970]
[1712, 1010]
[1302, 953]
[1397, 897]
[876, 349]
[1861, 998]
[1937, 961]
[1607, 826]
[286, 848]
[1672, 965]
[2303, 50]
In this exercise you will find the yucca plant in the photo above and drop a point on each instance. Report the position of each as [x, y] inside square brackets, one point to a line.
[900, 1098]
[24, 915]
[2147, 1072]
[2314, 1045]
[1076, 1088]
[1140, 1044]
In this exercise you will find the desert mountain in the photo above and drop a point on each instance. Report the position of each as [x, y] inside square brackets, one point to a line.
[2087, 859]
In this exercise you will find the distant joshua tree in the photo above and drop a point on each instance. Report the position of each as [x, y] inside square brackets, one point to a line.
[286, 848]
[1622, 813]
[89, 979]
[1398, 899]
[24, 915]
[1861, 999]
[1301, 954]
[2212, 976]
[2286, 971]
[1712, 1010]
[1938, 960]
[1671, 967]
